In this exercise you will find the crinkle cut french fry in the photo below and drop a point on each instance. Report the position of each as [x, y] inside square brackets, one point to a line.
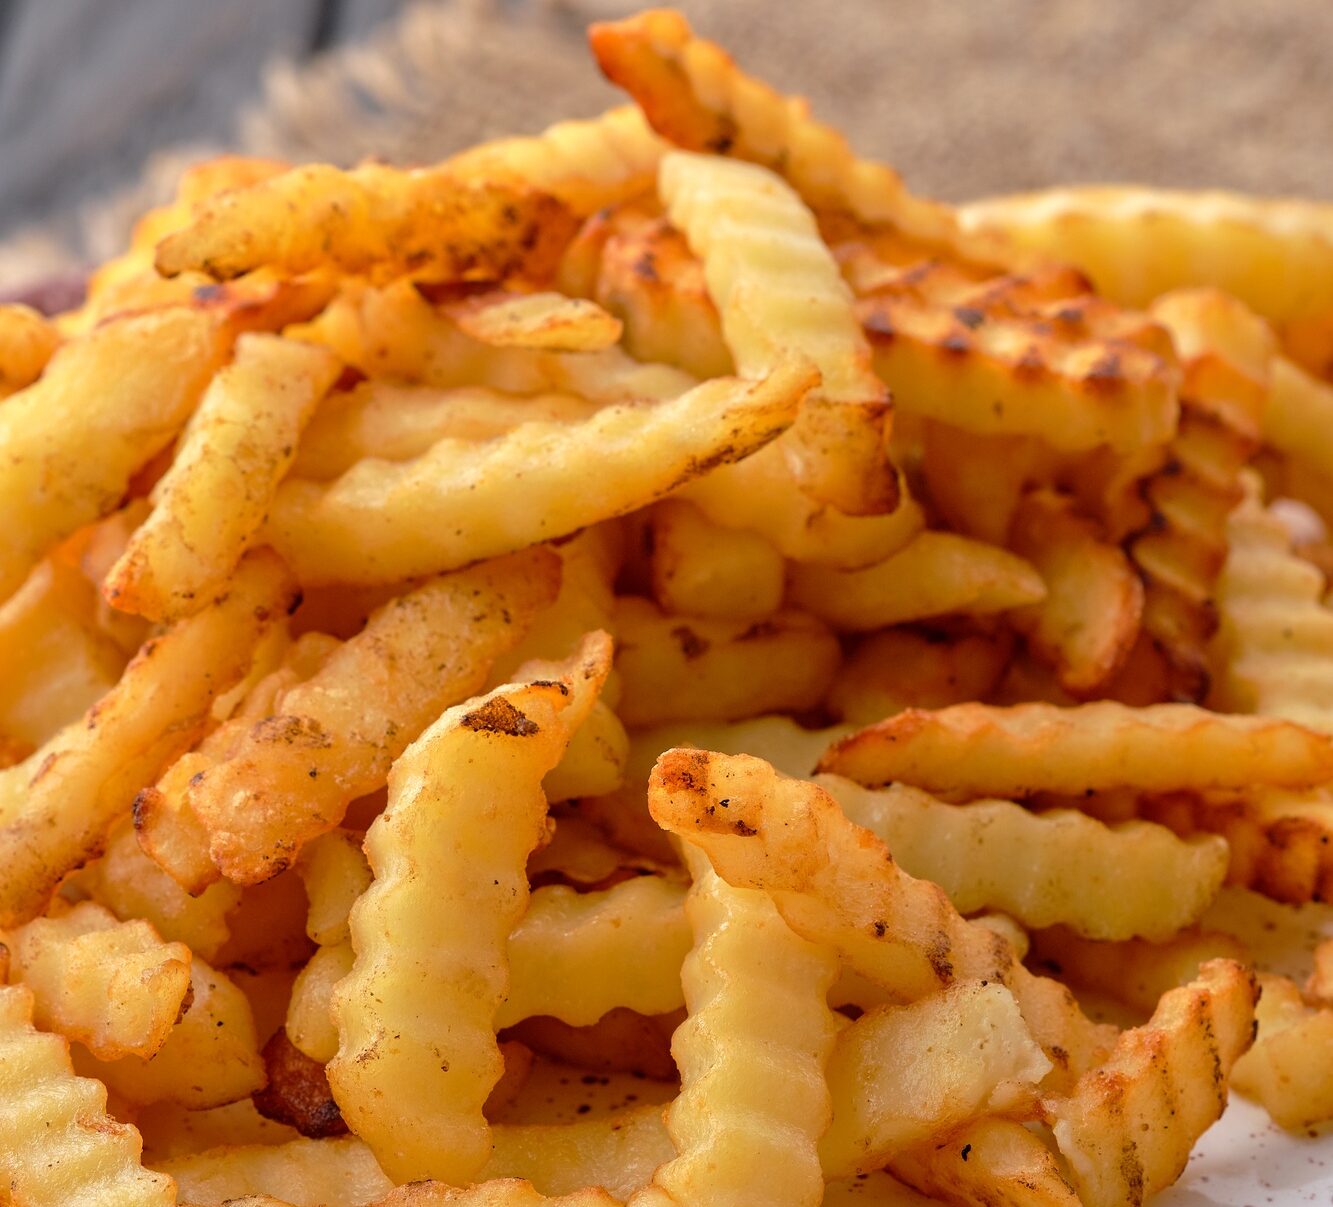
[777, 288]
[341, 1171]
[292, 774]
[413, 1084]
[296, 1091]
[1061, 866]
[1287, 1069]
[57, 808]
[1127, 1127]
[459, 503]
[27, 342]
[753, 1099]
[374, 219]
[500, 1192]
[837, 883]
[935, 574]
[335, 873]
[902, 1075]
[114, 986]
[705, 668]
[1137, 243]
[68, 450]
[696, 97]
[976, 750]
[83, 1156]
[215, 496]
[574, 955]
[535, 320]
[309, 1023]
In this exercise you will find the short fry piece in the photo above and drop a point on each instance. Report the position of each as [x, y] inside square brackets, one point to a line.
[1287, 1069]
[466, 810]
[335, 874]
[27, 342]
[309, 1023]
[116, 987]
[459, 503]
[536, 320]
[1014, 752]
[1127, 1127]
[217, 493]
[84, 1157]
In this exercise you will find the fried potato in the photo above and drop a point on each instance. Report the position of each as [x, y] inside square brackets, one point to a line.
[902, 1075]
[621, 1041]
[936, 574]
[56, 808]
[290, 776]
[375, 219]
[1286, 1070]
[1060, 866]
[701, 569]
[777, 288]
[594, 762]
[535, 320]
[83, 1155]
[211, 1056]
[1087, 624]
[1136, 972]
[169, 1130]
[297, 1091]
[211, 503]
[976, 480]
[309, 1023]
[1298, 415]
[1319, 987]
[705, 668]
[27, 343]
[753, 1099]
[900, 668]
[456, 504]
[69, 450]
[836, 883]
[116, 987]
[696, 97]
[335, 873]
[1015, 752]
[482, 760]
[1127, 1127]
[499, 1192]
[1137, 243]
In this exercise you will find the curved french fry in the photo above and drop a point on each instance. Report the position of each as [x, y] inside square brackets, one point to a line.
[335, 873]
[1287, 1069]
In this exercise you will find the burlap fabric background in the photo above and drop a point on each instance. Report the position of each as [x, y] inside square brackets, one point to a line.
[965, 97]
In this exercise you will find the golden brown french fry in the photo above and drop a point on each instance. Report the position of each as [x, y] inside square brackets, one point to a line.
[27, 343]
[499, 1192]
[57, 808]
[309, 1023]
[68, 451]
[335, 873]
[457, 503]
[213, 500]
[1287, 1069]
[1028, 748]
[1298, 415]
[535, 320]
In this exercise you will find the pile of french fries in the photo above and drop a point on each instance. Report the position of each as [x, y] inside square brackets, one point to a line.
[646, 664]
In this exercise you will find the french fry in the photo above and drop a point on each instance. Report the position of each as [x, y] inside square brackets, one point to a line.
[169, 1130]
[1015, 752]
[1286, 1069]
[500, 1192]
[454, 504]
[1127, 1127]
[115, 987]
[297, 1091]
[56, 808]
[777, 288]
[621, 1041]
[836, 883]
[27, 343]
[936, 574]
[481, 760]
[309, 1023]
[593, 762]
[579, 855]
[1137, 243]
[535, 320]
[1296, 419]
[372, 219]
[211, 503]
[83, 1155]
[887, 1096]
[1060, 866]
[977, 480]
[696, 97]
[335, 873]
[291, 775]
[1087, 624]
[69, 452]
[1319, 987]
[704, 668]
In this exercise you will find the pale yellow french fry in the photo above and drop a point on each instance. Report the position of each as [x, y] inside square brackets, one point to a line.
[27, 343]
[936, 574]
[1127, 1127]
[459, 503]
[169, 1130]
[1287, 1069]
[1013, 752]
[57, 808]
[309, 1023]
[535, 320]
[705, 668]
[1299, 416]
[68, 451]
[114, 986]
[213, 500]
[417, 1098]
[594, 762]
[335, 873]
[58, 1146]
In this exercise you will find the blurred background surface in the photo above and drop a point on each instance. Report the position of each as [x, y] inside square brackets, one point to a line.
[101, 103]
